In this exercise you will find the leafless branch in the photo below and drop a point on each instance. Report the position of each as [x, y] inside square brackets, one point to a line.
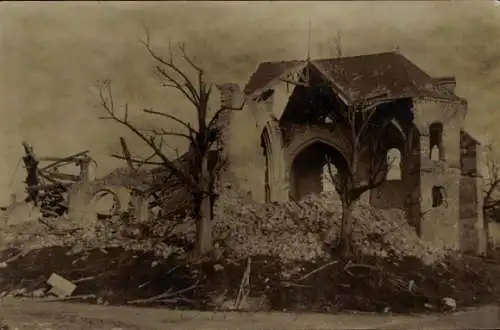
[109, 108]
[166, 294]
[185, 124]
[182, 84]
[492, 184]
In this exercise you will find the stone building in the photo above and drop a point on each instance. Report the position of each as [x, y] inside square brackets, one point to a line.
[277, 143]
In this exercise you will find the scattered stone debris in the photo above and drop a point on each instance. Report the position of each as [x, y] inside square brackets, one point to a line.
[4, 325]
[61, 287]
[449, 303]
[39, 293]
[115, 267]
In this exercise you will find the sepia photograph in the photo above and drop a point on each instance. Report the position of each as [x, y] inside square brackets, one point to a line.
[249, 165]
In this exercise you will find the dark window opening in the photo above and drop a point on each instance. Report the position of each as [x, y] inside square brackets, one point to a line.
[266, 95]
[436, 149]
[438, 196]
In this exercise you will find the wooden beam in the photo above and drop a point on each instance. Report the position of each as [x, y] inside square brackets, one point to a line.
[66, 159]
[31, 165]
[127, 156]
[137, 161]
[63, 176]
[50, 186]
[296, 83]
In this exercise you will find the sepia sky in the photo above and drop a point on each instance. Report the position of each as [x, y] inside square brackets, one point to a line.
[52, 55]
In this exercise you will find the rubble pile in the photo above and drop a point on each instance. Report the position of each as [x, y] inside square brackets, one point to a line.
[291, 231]
[119, 261]
[84, 235]
[302, 230]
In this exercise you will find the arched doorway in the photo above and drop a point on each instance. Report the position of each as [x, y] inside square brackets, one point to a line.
[314, 170]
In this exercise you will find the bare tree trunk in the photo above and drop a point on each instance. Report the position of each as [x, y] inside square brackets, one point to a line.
[346, 228]
[204, 226]
[204, 212]
[349, 201]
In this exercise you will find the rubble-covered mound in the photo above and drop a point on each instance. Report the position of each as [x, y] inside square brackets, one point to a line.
[303, 230]
[268, 257]
[88, 234]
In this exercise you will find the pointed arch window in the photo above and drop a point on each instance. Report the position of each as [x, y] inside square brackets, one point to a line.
[436, 148]
[394, 172]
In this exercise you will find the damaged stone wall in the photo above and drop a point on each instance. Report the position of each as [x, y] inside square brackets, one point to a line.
[439, 177]
[244, 148]
[391, 195]
[431, 187]
[473, 231]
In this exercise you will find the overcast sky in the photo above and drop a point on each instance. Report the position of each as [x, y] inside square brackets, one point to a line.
[53, 54]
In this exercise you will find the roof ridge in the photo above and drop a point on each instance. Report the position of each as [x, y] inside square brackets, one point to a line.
[356, 56]
[333, 58]
[391, 69]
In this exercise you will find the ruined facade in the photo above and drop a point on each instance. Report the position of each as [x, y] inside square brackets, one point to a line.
[276, 145]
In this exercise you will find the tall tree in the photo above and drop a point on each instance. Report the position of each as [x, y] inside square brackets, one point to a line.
[366, 125]
[193, 171]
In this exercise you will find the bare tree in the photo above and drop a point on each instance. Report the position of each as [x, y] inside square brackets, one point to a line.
[193, 171]
[364, 127]
[491, 204]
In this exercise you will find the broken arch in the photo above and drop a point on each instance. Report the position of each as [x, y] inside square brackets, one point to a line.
[307, 170]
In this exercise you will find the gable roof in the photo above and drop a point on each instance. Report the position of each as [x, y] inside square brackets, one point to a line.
[359, 77]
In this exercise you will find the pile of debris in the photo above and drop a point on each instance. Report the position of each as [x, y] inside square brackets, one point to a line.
[280, 249]
[87, 234]
[302, 230]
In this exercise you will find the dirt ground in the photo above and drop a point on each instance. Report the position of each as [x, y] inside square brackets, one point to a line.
[44, 315]
[118, 277]
[115, 276]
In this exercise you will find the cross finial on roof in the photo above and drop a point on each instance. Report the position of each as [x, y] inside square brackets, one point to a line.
[396, 48]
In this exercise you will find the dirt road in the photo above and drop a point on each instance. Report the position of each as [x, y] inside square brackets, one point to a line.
[44, 315]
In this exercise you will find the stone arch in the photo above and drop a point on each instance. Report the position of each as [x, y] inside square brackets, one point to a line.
[307, 166]
[394, 163]
[302, 139]
[273, 150]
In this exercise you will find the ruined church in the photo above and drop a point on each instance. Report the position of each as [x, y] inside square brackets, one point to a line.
[277, 142]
